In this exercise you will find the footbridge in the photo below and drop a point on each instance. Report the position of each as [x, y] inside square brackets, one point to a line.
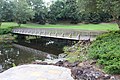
[72, 34]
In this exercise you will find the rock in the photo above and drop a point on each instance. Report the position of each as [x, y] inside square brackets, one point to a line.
[106, 76]
[66, 63]
[62, 55]
[81, 64]
[50, 61]
[59, 63]
[76, 71]
[84, 72]
[113, 78]
[42, 63]
[1, 69]
[75, 64]
[93, 62]
[37, 72]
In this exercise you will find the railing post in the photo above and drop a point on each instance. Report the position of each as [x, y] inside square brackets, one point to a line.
[90, 36]
[70, 36]
[56, 34]
[50, 34]
[45, 33]
[62, 34]
[78, 37]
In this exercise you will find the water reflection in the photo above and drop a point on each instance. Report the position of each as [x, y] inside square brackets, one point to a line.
[51, 46]
[27, 51]
[11, 54]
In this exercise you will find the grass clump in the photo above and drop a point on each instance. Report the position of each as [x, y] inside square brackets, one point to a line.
[106, 50]
[77, 52]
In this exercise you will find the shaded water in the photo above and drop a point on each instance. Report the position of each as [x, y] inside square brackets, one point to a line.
[27, 51]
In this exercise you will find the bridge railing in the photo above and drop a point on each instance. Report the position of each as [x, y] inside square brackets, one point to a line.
[59, 33]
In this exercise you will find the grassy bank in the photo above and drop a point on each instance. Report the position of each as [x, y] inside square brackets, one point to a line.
[102, 26]
[105, 51]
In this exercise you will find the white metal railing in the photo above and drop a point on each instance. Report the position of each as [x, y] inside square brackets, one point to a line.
[74, 34]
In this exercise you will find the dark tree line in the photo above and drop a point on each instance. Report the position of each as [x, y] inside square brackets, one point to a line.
[71, 11]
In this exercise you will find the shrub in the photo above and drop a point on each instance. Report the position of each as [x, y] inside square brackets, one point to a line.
[106, 50]
[77, 52]
[5, 31]
[105, 17]
[91, 18]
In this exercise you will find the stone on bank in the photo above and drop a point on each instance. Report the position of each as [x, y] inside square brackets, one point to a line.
[37, 72]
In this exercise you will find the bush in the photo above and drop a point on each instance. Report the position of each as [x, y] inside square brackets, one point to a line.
[106, 49]
[40, 19]
[5, 31]
[77, 52]
[105, 17]
[91, 18]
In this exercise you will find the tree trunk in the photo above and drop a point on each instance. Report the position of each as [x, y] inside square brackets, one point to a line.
[0, 24]
[19, 24]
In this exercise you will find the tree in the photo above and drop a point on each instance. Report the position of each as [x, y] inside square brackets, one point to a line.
[22, 11]
[64, 10]
[87, 6]
[108, 6]
[1, 11]
[71, 10]
[40, 11]
[56, 11]
[8, 11]
[112, 7]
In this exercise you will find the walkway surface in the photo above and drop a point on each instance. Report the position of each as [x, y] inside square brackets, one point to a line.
[37, 72]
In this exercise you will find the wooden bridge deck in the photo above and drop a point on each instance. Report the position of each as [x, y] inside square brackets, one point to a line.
[73, 34]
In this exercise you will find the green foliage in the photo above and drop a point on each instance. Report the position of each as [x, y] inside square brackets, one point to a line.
[1, 10]
[96, 17]
[71, 11]
[8, 11]
[40, 11]
[91, 18]
[5, 31]
[105, 17]
[108, 6]
[22, 11]
[106, 49]
[13, 64]
[87, 6]
[112, 7]
[64, 10]
[56, 11]
[73, 54]
[77, 52]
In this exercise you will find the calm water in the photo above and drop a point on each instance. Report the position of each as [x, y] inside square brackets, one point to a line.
[27, 51]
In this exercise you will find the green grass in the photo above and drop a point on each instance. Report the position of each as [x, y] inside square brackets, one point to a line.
[102, 26]
[8, 24]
